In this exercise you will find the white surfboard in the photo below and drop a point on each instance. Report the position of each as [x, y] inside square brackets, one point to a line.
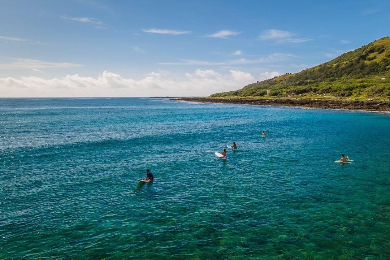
[220, 155]
[340, 161]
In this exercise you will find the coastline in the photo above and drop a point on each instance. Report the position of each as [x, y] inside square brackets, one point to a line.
[364, 105]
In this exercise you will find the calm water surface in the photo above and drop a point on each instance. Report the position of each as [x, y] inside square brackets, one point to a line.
[69, 189]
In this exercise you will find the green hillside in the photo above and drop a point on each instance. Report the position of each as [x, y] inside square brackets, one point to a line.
[360, 74]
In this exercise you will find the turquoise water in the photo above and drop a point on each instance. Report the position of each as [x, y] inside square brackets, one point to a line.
[69, 189]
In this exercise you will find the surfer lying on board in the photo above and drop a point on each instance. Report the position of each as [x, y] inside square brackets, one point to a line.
[224, 153]
[149, 176]
[263, 134]
[344, 158]
[234, 146]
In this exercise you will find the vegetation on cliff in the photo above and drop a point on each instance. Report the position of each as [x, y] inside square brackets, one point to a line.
[360, 74]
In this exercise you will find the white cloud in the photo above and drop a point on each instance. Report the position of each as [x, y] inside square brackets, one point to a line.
[108, 84]
[224, 34]
[12, 39]
[344, 41]
[36, 64]
[206, 73]
[21, 40]
[237, 53]
[244, 61]
[268, 75]
[280, 56]
[242, 76]
[160, 73]
[83, 20]
[275, 34]
[154, 74]
[281, 36]
[165, 31]
[138, 49]
[294, 40]
[269, 58]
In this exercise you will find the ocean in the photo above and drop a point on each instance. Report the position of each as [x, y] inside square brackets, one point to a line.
[70, 170]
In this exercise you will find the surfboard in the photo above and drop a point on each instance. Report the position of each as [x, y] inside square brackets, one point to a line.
[340, 161]
[143, 180]
[220, 155]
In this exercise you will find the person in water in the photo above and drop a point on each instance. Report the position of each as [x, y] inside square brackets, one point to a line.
[344, 158]
[149, 176]
[224, 153]
[264, 134]
[234, 146]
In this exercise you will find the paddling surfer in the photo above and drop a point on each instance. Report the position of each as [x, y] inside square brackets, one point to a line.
[344, 158]
[234, 146]
[149, 176]
[224, 153]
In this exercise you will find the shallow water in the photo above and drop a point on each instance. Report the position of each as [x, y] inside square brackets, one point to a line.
[69, 189]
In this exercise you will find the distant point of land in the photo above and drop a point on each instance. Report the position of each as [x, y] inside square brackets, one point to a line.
[359, 79]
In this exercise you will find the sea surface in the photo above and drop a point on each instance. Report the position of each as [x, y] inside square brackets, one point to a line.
[70, 170]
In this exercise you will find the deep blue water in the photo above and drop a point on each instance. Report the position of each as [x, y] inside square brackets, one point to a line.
[69, 189]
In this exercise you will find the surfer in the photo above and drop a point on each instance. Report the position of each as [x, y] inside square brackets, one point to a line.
[344, 158]
[263, 134]
[234, 146]
[149, 176]
[224, 153]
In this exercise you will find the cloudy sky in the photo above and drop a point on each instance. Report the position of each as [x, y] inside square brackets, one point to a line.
[102, 48]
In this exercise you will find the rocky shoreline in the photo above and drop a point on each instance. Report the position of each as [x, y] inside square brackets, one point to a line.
[367, 105]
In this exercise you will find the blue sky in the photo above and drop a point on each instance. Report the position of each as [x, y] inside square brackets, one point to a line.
[70, 48]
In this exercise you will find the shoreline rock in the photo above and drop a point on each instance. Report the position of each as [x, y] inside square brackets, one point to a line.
[366, 105]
